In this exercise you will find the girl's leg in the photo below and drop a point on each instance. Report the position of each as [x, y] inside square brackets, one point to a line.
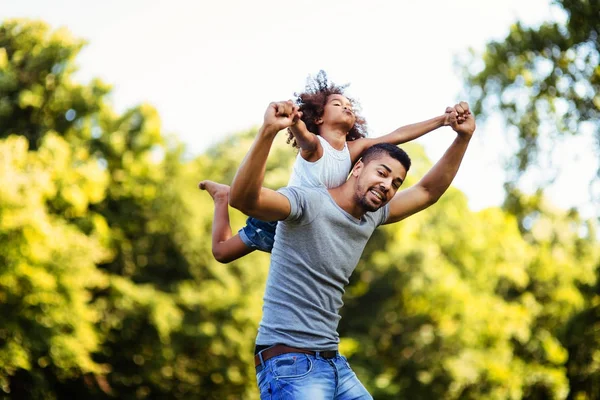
[225, 247]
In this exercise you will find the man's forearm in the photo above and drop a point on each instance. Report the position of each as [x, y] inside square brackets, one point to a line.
[247, 183]
[439, 178]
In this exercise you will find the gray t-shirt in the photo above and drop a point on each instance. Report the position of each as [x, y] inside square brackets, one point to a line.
[316, 250]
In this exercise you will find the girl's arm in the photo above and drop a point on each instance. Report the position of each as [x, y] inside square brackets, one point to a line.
[310, 146]
[401, 135]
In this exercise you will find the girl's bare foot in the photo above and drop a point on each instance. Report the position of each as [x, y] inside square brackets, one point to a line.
[217, 191]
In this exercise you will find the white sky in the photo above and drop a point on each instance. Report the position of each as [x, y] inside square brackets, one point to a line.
[212, 67]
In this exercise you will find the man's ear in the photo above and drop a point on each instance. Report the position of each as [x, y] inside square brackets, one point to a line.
[357, 168]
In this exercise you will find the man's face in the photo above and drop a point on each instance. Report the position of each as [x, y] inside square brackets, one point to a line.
[378, 181]
[338, 112]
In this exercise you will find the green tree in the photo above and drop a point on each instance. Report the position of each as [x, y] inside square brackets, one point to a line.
[544, 82]
[47, 269]
[108, 287]
[37, 91]
[112, 206]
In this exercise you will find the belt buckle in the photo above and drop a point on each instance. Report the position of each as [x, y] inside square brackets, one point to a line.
[328, 354]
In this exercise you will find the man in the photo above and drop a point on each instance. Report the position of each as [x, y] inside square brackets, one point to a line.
[319, 241]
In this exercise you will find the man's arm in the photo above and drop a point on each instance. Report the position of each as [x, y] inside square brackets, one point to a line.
[433, 185]
[401, 135]
[310, 146]
[246, 192]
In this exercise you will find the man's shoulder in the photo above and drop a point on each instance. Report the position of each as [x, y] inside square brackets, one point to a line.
[304, 191]
[305, 202]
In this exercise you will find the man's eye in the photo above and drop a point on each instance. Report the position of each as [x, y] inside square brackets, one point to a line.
[380, 173]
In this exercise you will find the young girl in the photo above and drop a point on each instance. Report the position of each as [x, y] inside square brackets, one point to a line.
[325, 158]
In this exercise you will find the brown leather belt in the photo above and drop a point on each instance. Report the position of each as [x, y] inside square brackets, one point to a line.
[279, 349]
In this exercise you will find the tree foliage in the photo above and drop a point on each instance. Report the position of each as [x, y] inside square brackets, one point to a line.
[108, 288]
[107, 283]
[544, 83]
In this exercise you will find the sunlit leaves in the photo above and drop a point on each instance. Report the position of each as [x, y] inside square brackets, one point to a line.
[108, 285]
[543, 82]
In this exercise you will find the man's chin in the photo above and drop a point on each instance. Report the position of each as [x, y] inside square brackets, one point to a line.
[371, 207]
[375, 207]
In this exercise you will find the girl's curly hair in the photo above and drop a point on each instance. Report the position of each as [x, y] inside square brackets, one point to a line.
[312, 104]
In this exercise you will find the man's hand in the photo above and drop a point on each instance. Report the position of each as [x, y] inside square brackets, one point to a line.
[464, 123]
[246, 192]
[280, 115]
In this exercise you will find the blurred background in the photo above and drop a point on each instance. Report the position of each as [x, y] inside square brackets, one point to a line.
[111, 112]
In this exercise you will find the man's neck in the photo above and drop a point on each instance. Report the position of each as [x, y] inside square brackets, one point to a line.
[344, 197]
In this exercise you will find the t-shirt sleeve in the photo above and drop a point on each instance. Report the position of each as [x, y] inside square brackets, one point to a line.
[302, 203]
[384, 213]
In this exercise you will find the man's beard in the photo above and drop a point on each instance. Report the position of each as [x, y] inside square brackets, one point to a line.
[365, 204]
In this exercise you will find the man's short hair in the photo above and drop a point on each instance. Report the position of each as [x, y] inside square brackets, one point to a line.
[379, 149]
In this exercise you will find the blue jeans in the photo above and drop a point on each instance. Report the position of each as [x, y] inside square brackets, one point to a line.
[301, 376]
[258, 235]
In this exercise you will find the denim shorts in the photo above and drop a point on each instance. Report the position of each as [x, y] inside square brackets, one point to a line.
[258, 235]
[298, 376]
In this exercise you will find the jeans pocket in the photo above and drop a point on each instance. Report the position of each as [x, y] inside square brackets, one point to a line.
[264, 384]
[292, 366]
